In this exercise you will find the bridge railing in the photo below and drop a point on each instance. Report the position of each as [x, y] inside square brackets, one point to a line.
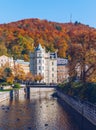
[41, 85]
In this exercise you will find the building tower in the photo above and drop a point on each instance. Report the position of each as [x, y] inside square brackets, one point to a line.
[44, 63]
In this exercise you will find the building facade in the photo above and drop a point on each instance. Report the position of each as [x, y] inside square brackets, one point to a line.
[24, 65]
[6, 60]
[45, 64]
[62, 70]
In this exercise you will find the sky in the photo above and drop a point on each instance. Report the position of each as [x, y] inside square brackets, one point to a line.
[62, 11]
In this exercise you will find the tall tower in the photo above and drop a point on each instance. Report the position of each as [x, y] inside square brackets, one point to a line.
[37, 61]
[44, 63]
[70, 18]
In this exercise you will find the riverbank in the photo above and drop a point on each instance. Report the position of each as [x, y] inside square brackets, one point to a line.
[37, 109]
[86, 110]
[7, 94]
[4, 95]
[36, 112]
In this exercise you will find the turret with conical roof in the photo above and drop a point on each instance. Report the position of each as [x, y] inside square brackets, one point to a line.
[39, 48]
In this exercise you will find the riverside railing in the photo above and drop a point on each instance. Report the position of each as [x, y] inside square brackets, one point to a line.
[86, 109]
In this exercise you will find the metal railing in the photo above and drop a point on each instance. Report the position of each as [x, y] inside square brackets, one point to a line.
[86, 109]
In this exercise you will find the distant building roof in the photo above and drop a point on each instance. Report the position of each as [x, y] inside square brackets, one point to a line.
[62, 61]
[53, 55]
[19, 61]
[39, 48]
[6, 56]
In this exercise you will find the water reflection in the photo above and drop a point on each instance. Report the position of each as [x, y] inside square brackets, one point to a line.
[36, 111]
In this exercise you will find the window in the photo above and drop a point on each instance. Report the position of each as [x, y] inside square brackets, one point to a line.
[52, 69]
[52, 81]
[52, 63]
[39, 67]
[52, 75]
[39, 55]
[39, 61]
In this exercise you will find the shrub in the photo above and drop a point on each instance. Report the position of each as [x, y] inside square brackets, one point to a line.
[76, 84]
[4, 84]
[16, 85]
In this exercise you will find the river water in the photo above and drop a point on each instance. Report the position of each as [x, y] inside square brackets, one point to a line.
[39, 111]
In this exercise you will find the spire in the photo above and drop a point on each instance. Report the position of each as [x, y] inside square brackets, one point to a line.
[39, 48]
[70, 18]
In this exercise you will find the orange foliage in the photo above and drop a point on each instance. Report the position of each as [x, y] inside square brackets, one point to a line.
[20, 37]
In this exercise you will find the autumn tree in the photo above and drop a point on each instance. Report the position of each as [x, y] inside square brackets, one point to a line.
[6, 74]
[82, 56]
[3, 49]
[29, 77]
[18, 72]
[17, 39]
[61, 43]
[38, 77]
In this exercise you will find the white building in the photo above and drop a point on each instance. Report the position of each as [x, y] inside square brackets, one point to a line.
[24, 65]
[6, 60]
[45, 64]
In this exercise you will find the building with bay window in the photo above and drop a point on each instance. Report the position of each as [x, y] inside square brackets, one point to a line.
[44, 63]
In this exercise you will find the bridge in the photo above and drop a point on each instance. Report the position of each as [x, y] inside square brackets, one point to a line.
[41, 85]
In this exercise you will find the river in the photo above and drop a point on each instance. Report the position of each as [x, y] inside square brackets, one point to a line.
[39, 111]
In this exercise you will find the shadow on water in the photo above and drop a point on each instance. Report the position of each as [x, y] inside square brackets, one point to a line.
[82, 122]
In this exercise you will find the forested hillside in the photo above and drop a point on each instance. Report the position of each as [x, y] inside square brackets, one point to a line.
[19, 38]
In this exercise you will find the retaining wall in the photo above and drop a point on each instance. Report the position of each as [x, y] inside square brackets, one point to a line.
[4, 96]
[85, 109]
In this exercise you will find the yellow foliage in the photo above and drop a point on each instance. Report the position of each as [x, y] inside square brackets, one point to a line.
[29, 77]
[18, 72]
[10, 79]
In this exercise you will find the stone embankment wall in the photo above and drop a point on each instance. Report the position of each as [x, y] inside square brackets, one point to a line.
[4, 96]
[10, 94]
[85, 109]
[40, 92]
[19, 92]
[35, 90]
